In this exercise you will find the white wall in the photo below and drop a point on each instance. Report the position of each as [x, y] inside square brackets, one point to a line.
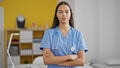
[117, 27]
[86, 20]
[1, 37]
[109, 25]
[99, 20]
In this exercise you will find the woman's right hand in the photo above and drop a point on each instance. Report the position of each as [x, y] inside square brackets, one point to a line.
[73, 57]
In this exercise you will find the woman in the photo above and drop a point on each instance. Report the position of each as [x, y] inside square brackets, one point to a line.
[63, 46]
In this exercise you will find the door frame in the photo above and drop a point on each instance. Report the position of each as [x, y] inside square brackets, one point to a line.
[1, 37]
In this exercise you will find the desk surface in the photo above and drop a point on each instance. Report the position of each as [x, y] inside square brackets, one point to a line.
[30, 66]
[41, 66]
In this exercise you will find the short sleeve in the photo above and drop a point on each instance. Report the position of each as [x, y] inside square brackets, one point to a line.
[45, 41]
[81, 42]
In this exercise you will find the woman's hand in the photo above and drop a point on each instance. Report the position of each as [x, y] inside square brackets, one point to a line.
[48, 53]
[75, 60]
[73, 57]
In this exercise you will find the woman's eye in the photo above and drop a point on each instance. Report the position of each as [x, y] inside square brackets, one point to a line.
[66, 12]
[60, 12]
[63, 12]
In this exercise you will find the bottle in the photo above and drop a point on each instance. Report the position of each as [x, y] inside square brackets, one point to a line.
[34, 25]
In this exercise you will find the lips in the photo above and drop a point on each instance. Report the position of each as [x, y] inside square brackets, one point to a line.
[63, 18]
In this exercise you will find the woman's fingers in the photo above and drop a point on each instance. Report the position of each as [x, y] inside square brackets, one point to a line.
[47, 53]
[73, 57]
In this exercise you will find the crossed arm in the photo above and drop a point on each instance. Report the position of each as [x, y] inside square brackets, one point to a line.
[67, 60]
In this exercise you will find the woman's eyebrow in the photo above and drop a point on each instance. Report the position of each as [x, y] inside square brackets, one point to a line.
[60, 10]
[63, 10]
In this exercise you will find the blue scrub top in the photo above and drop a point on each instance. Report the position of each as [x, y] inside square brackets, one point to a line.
[61, 45]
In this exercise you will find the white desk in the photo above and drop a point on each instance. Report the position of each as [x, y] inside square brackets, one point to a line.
[30, 66]
[41, 66]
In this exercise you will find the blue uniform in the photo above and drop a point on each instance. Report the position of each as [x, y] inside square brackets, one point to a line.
[61, 45]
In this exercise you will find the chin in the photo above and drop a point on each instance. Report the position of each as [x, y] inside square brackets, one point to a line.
[63, 22]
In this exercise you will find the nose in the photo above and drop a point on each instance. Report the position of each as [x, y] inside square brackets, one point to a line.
[64, 13]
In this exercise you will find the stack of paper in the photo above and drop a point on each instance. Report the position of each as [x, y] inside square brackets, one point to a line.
[26, 36]
[36, 49]
[26, 52]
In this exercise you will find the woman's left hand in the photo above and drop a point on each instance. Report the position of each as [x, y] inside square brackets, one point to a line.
[48, 53]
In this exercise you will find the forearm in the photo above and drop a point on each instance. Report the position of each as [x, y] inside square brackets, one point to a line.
[80, 61]
[49, 58]
[77, 62]
[55, 59]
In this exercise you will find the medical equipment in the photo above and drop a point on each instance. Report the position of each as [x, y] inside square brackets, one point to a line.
[72, 48]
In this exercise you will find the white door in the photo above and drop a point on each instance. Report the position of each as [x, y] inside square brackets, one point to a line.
[1, 37]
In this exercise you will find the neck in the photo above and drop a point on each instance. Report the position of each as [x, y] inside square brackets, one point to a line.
[64, 27]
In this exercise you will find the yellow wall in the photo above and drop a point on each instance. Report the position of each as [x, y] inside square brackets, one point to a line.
[38, 11]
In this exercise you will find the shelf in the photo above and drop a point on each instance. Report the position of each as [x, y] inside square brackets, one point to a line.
[15, 43]
[26, 59]
[38, 34]
[26, 48]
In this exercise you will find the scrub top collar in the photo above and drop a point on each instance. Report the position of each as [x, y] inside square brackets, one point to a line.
[57, 30]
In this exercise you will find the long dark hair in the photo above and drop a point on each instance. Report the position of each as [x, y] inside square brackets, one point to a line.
[56, 21]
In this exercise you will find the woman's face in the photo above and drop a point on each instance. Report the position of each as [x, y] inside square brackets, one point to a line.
[63, 14]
